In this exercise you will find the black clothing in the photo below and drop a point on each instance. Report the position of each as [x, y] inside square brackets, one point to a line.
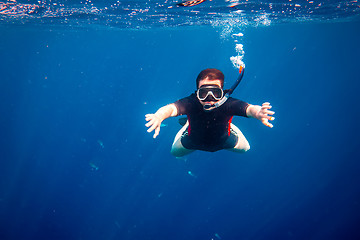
[209, 130]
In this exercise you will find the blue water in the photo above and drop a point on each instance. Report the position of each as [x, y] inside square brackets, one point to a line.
[77, 162]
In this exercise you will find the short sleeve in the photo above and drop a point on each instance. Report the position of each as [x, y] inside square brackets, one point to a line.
[237, 107]
[184, 105]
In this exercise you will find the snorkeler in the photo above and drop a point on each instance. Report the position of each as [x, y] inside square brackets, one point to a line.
[209, 113]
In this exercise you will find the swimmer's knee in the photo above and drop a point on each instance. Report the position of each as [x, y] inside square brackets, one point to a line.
[180, 152]
[175, 152]
[241, 148]
[247, 147]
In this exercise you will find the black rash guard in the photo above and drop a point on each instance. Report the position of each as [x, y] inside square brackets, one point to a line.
[209, 130]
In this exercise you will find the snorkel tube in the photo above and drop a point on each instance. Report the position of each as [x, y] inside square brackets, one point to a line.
[209, 107]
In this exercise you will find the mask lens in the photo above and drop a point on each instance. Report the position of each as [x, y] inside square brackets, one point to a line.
[217, 92]
[203, 92]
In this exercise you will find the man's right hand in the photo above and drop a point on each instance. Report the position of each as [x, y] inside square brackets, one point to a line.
[154, 122]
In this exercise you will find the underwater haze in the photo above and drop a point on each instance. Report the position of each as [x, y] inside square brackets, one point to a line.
[78, 77]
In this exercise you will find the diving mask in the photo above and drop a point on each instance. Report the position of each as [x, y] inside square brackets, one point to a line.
[209, 91]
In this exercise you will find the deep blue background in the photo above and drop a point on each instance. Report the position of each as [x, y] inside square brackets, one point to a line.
[74, 99]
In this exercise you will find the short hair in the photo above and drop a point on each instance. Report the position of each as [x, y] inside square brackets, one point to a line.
[211, 74]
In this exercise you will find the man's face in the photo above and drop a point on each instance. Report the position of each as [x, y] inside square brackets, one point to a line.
[206, 81]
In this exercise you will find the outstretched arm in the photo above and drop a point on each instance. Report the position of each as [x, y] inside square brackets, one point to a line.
[154, 120]
[262, 113]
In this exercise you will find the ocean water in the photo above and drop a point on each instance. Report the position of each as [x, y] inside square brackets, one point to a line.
[77, 78]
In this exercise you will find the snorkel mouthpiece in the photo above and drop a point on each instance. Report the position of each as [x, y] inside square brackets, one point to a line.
[207, 106]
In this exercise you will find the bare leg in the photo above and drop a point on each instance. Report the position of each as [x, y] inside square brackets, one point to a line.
[242, 144]
[177, 149]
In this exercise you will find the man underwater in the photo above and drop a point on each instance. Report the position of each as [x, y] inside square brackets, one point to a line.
[208, 126]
